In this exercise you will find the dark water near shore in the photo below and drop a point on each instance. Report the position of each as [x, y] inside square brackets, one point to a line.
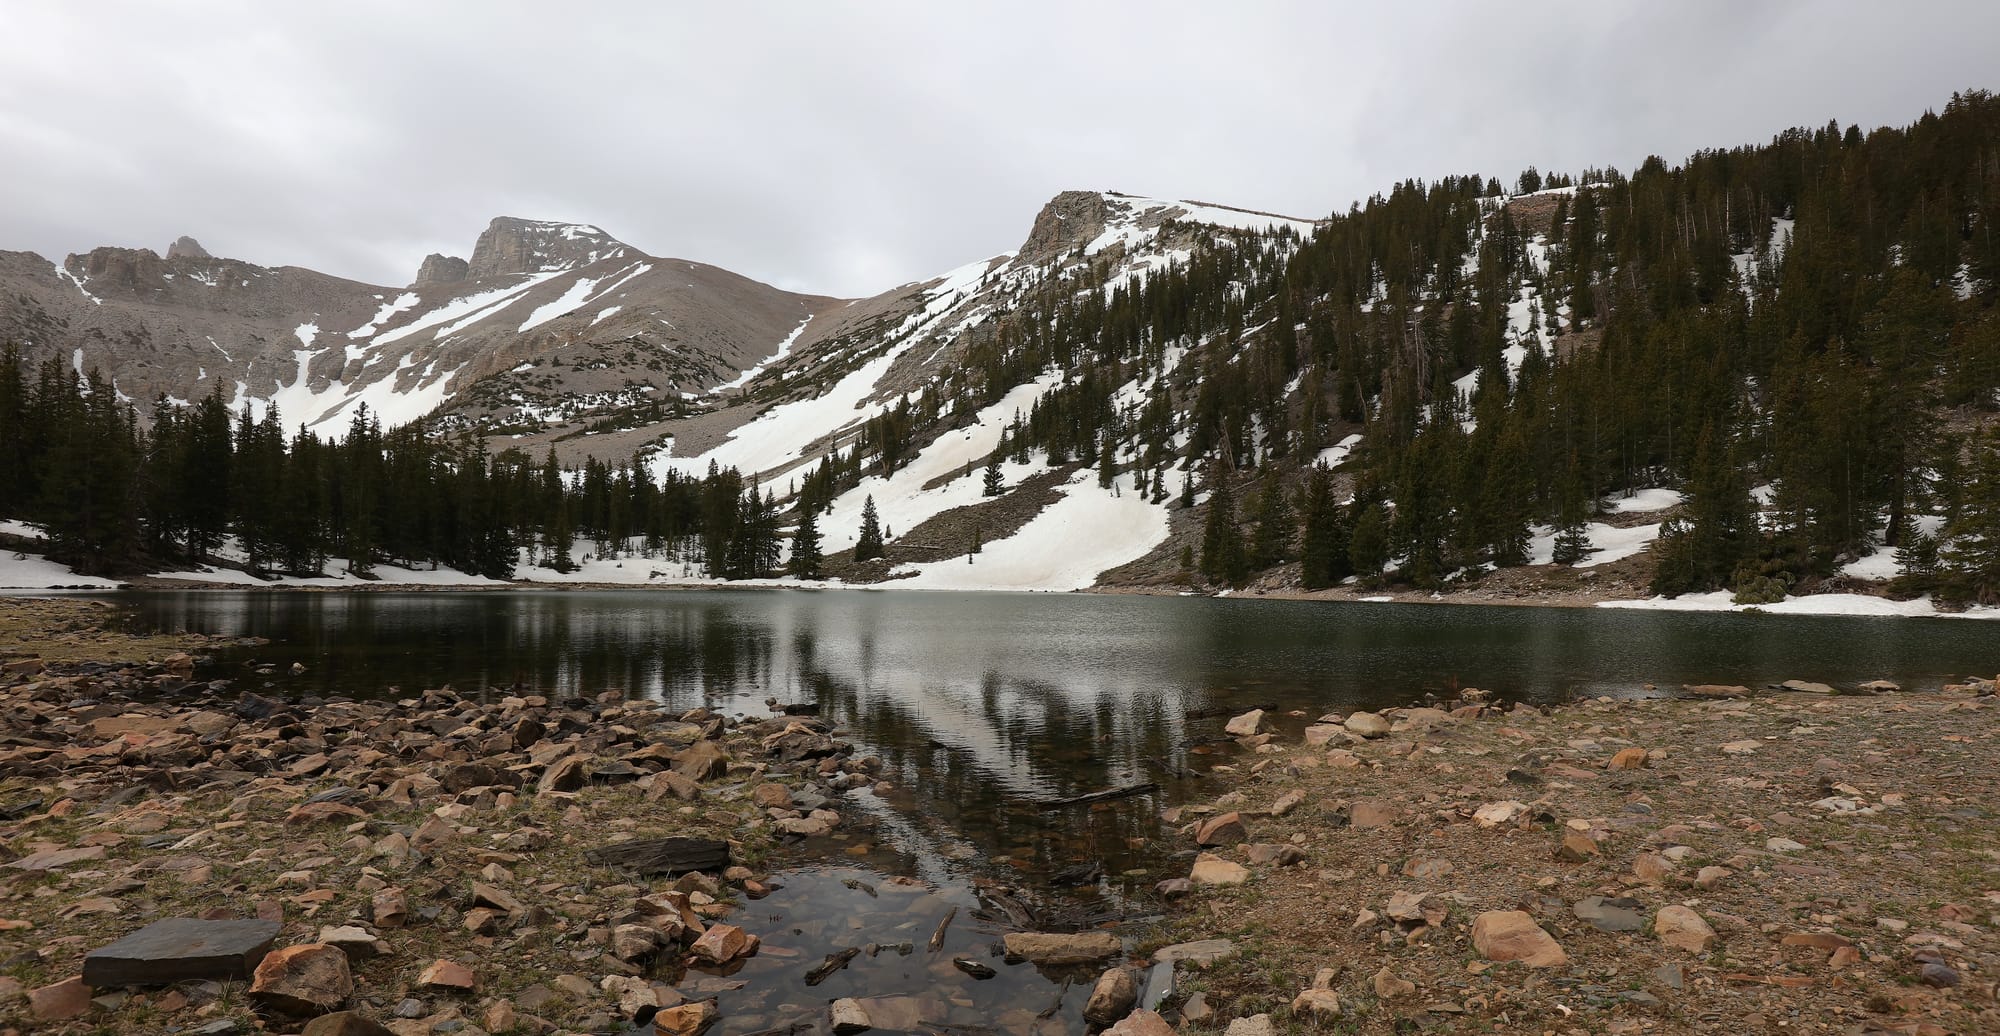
[983, 704]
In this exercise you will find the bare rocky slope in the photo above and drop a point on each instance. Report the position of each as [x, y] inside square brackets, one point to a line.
[596, 318]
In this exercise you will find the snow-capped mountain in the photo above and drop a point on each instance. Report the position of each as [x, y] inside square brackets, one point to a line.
[555, 335]
[569, 306]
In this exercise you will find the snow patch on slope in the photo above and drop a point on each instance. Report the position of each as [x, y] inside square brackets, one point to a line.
[1087, 532]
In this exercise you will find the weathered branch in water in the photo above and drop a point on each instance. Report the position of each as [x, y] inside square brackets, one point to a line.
[1106, 795]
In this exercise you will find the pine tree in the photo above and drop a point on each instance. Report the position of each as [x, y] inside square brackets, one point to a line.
[869, 546]
[1323, 552]
[1369, 548]
[993, 484]
[1271, 538]
[806, 545]
[1223, 558]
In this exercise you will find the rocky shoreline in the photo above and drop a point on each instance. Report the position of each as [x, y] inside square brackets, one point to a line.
[440, 863]
[1795, 859]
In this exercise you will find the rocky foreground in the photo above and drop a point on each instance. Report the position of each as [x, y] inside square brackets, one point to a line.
[176, 856]
[1795, 859]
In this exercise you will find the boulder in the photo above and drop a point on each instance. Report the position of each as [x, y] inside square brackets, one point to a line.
[1317, 1004]
[1494, 814]
[1391, 986]
[308, 979]
[1714, 690]
[1201, 952]
[1250, 724]
[1366, 814]
[355, 941]
[569, 773]
[1576, 847]
[1366, 724]
[1060, 948]
[1420, 719]
[1210, 869]
[1223, 829]
[1628, 759]
[1273, 854]
[181, 949]
[702, 761]
[723, 943]
[1510, 935]
[1114, 996]
[449, 976]
[1683, 929]
[1321, 733]
[59, 1001]
[686, 1020]
[1141, 1023]
[848, 1016]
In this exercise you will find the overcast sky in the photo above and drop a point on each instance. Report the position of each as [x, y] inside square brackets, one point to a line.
[847, 148]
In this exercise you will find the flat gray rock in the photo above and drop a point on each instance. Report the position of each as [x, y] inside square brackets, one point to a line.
[179, 950]
[1611, 915]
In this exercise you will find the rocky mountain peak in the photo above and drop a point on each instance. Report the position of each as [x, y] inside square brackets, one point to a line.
[1069, 221]
[440, 269]
[185, 247]
[514, 246]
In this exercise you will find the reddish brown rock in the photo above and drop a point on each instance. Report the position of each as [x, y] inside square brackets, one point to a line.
[1223, 829]
[1628, 759]
[449, 976]
[307, 979]
[61, 1001]
[1509, 935]
[723, 943]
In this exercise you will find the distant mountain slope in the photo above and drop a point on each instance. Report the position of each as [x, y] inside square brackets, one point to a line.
[580, 313]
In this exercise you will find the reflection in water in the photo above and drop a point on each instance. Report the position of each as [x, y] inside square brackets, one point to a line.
[981, 704]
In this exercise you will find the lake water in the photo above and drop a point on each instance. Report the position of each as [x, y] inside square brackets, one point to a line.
[984, 704]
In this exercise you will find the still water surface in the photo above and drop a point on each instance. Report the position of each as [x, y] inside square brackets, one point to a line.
[983, 704]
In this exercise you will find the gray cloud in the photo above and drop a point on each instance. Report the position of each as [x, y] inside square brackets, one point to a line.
[848, 148]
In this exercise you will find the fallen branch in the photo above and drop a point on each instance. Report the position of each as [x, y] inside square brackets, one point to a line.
[1106, 795]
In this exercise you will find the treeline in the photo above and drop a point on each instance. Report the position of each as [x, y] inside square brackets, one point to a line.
[1812, 321]
[115, 496]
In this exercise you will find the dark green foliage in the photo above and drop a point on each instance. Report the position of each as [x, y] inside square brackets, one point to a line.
[805, 560]
[1324, 551]
[868, 546]
[1223, 557]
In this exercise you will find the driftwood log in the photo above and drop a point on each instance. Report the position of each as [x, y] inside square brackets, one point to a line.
[662, 855]
[1100, 796]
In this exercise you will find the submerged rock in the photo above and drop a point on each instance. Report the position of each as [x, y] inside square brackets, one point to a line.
[1059, 948]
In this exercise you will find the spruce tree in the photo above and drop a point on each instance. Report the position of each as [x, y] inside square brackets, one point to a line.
[993, 484]
[805, 559]
[869, 546]
[1223, 557]
[1369, 548]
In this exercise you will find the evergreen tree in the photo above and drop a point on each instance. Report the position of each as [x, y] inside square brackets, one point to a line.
[1223, 557]
[1271, 538]
[869, 546]
[1323, 552]
[993, 484]
[1368, 550]
[805, 559]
